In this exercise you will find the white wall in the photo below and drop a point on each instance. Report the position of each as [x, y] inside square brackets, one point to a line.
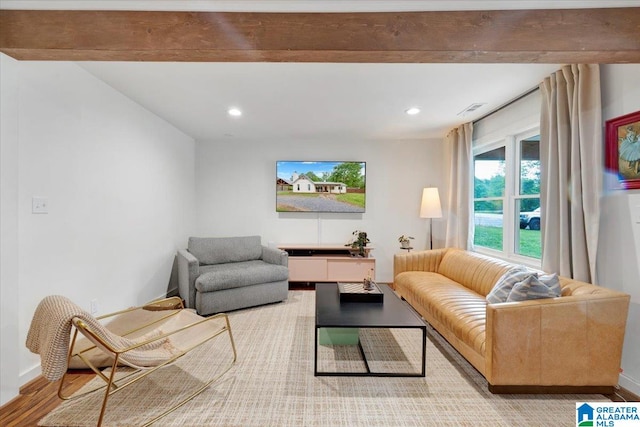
[236, 193]
[9, 359]
[619, 246]
[120, 184]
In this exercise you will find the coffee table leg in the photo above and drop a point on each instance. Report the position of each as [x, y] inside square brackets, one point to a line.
[364, 357]
[424, 351]
[315, 355]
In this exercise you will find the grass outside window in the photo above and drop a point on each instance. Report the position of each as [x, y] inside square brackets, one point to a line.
[491, 237]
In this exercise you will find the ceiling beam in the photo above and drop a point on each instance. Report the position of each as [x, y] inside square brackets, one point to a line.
[506, 36]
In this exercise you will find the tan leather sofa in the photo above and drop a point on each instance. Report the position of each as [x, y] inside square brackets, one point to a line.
[572, 343]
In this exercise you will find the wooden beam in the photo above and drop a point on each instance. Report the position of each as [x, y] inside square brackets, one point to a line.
[523, 36]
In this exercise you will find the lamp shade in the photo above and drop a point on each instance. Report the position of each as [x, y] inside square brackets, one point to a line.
[430, 206]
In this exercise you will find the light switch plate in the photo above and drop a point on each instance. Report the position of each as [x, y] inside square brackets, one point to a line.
[39, 205]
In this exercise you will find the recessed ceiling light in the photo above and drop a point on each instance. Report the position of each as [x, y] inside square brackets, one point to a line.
[412, 111]
[234, 112]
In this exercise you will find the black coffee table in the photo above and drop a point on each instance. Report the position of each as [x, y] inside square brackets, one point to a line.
[392, 313]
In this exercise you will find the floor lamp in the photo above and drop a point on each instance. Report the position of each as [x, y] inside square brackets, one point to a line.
[430, 208]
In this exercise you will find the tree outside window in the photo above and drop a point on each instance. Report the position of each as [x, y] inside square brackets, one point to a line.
[507, 197]
[488, 193]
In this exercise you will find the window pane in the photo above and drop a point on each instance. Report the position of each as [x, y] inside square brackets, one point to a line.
[530, 166]
[528, 241]
[489, 173]
[488, 224]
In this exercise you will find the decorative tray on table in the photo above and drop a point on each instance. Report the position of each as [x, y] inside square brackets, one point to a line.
[355, 292]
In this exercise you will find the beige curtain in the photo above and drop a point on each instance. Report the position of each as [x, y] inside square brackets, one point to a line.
[571, 165]
[459, 224]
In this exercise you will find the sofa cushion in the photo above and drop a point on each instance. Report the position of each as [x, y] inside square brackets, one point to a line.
[474, 271]
[447, 303]
[534, 287]
[505, 283]
[220, 250]
[237, 274]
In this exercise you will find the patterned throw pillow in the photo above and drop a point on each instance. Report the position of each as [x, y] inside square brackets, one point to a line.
[552, 281]
[503, 286]
[535, 287]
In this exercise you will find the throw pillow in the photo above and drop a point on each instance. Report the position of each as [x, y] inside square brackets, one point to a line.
[505, 283]
[534, 288]
[552, 281]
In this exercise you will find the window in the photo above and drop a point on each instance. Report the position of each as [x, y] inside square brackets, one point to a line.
[506, 197]
[488, 198]
[527, 199]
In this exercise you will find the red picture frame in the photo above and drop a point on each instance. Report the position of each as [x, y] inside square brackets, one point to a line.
[622, 145]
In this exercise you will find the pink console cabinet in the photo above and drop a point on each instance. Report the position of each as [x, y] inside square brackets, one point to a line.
[327, 263]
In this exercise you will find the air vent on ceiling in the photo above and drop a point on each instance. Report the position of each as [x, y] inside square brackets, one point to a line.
[471, 108]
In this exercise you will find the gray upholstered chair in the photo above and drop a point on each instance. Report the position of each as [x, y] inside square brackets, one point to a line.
[219, 274]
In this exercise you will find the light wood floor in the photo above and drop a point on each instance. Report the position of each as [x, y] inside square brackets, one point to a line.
[37, 399]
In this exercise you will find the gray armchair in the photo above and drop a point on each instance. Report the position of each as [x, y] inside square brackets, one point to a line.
[217, 274]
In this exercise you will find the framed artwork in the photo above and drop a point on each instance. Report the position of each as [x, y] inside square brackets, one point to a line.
[622, 155]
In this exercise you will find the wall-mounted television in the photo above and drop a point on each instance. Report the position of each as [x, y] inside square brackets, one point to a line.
[320, 186]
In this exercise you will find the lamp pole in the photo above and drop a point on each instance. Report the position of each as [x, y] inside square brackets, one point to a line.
[430, 233]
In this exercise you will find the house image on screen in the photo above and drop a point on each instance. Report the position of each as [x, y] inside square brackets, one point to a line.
[302, 184]
[283, 184]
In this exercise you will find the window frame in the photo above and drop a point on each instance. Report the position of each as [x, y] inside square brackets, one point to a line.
[510, 215]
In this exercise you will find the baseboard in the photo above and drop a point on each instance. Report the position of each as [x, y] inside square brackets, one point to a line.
[629, 385]
[535, 389]
[29, 375]
[623, 395]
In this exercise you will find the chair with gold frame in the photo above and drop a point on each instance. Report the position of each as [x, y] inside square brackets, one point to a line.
[144, 338]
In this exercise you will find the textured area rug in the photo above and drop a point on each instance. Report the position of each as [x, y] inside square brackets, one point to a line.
[272, 384]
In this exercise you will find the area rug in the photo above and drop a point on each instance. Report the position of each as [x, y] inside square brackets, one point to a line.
[272, 384]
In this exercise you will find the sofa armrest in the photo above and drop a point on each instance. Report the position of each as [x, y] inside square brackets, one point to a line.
[188, 270]
[418, 261]
[275, 256]
[572, 341]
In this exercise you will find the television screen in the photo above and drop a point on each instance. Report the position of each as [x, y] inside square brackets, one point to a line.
[320, 186]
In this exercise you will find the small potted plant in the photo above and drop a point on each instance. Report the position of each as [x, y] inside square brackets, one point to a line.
[405, 241]
[358, 243]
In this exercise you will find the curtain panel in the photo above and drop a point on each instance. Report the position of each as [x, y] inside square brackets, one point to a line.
[571, 165]
[459, 233]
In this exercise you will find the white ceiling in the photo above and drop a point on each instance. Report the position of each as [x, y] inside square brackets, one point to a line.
[316, 101]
